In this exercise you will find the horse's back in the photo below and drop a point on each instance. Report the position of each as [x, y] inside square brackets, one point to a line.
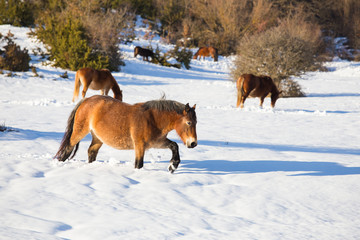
[204, 51]
[143, 51]
[101, 106]
[255, 85]
[248, 81]
[85, 72]
[86, 75]
[109, 119]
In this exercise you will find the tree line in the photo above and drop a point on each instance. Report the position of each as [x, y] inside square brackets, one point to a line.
[275, 37]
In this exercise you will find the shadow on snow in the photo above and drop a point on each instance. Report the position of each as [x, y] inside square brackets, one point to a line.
[282, 147]
[223, 167]
[17, 134]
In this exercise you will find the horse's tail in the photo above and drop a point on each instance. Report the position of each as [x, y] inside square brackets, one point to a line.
[240, 90]
[66, 150]
[77, 86]
[116, 89]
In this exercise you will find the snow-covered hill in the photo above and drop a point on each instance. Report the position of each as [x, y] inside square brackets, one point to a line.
[288, 173]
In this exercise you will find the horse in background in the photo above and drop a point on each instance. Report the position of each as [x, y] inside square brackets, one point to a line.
[207, 52]
[123, 126]
[145, 53]
[101, 80]
[256, 86]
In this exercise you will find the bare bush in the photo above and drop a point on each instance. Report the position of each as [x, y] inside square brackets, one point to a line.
[106, 30]
[280, 52]
[81, 33]
[13, 58]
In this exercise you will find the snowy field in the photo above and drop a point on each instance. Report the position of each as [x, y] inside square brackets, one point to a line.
[292, 172]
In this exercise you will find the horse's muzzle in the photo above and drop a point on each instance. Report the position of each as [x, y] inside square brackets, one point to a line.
[191, 144]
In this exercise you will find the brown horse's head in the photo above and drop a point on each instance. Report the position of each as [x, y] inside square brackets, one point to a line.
[186, 126]
[214, 53]
[275, 94]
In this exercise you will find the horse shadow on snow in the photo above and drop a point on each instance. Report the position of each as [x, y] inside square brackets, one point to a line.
[305, 168]
[223, 167]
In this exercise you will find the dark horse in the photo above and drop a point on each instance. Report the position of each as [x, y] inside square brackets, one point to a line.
[123, 126]
[207, 52]
[255, 86]
[94, 79]
[145, 53]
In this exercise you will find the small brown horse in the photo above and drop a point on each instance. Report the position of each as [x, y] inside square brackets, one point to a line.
[96, 80]
[123, 126]
[207, 52]
[145, 53]
[256, 86]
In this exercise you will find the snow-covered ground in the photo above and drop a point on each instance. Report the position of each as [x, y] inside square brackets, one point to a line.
[288, 173]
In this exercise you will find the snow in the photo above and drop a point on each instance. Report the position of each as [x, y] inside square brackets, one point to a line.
[292, 172]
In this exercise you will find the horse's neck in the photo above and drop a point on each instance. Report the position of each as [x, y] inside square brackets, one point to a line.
[116, 89]
[165, 120]
[274, 89]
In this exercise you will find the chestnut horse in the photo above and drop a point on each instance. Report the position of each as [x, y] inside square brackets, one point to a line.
[123, 126]
[256, 86]
[207, 52]
[145, 53]
[96, 80]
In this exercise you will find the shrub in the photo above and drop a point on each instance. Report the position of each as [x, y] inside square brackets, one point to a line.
[280, 52]
[82, 33]
[16, 12]
[162, 59]
[13, 58]
[182, 57]
[106, 30]
[68, 46]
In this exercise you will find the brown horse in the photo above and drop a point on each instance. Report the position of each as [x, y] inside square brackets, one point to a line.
[123, 126]
[207, 52]
[256, 86]
[96, 80]
[145, 53]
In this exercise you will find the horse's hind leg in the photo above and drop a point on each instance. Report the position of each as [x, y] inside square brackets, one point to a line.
[242, 99]
[85, 88]
[84, 91]
[238, 100]
[139, 155]
[94, 148]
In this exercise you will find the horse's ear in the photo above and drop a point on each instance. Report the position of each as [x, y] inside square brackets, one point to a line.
[194, 107]
[187, 107]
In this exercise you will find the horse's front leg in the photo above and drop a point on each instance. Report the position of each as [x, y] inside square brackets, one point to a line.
[175, 160]
[262, 100]
[106, 91]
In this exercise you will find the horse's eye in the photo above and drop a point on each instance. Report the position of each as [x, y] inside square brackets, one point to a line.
[188, 123]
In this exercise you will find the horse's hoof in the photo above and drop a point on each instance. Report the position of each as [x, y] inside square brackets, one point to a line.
[172, 168]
